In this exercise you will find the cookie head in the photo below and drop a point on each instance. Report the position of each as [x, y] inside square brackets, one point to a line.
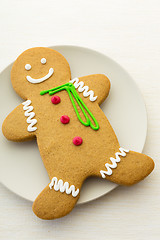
[37, 69]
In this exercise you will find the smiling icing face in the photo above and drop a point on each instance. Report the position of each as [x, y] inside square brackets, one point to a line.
[39, 80]
[37, 69]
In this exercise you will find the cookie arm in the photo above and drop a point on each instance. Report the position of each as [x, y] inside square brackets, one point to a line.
[15, 127]
[98, 83]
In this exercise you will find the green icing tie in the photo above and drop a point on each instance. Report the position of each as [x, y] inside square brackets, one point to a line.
[70, 88]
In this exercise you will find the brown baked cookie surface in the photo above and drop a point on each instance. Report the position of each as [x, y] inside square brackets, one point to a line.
[74, 137]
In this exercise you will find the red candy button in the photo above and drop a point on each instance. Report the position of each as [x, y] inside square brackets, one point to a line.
[55, 99]
[64, 119]
[77, 141]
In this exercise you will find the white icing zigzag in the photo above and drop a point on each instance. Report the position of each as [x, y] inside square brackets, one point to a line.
[114, 162]
[84, 89]
[30, 114]
[63, 187]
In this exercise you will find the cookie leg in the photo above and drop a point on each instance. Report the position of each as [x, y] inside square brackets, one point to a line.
[56, 200]
[127, 167]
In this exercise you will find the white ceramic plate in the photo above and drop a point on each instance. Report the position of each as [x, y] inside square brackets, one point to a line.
[21, 167]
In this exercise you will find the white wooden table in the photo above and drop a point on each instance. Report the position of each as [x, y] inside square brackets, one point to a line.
[128, 32]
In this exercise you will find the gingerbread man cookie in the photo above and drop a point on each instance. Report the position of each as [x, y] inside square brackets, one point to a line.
[74, 137]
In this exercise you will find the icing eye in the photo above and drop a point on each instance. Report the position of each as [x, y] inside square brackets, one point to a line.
[43, 60]
[27, 67]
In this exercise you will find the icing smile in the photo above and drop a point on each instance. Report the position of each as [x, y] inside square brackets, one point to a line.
[39, 80]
